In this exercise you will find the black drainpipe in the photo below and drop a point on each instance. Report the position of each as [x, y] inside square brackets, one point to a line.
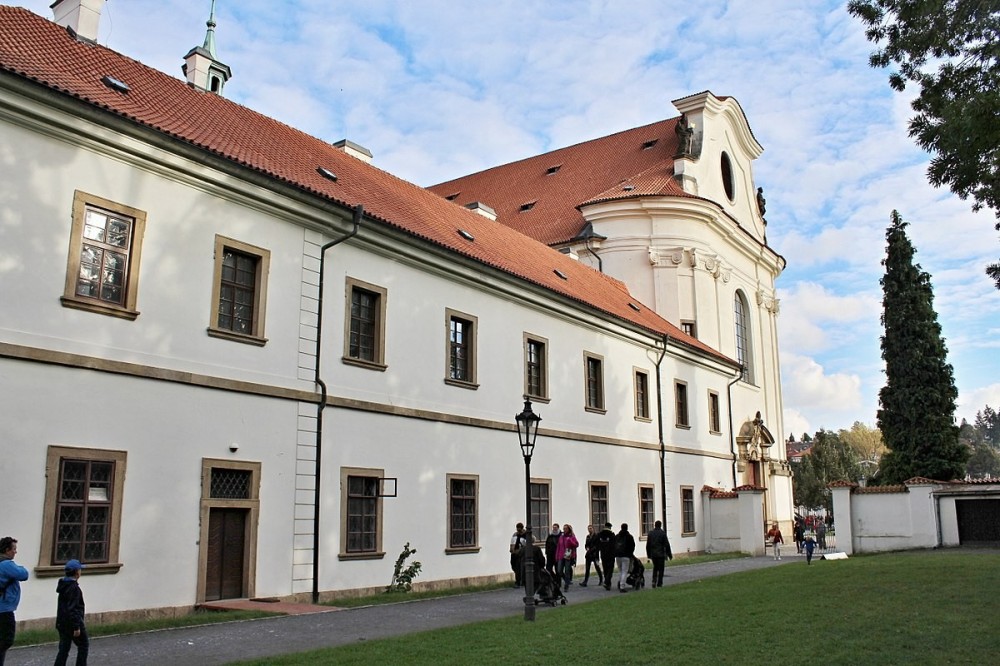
[663, 451]
[321, 405]
[600, 263]
[729, 408]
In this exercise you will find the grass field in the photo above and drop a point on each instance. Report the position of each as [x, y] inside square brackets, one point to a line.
[909, 608]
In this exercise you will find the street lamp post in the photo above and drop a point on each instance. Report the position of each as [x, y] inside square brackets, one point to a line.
[527, 432]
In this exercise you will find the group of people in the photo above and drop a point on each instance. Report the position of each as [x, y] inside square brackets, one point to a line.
[602, 550]
[69, 610]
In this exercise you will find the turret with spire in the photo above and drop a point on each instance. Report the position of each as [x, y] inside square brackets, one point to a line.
[202, 67]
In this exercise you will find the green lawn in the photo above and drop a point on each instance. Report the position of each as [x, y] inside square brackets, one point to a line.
[908, 608]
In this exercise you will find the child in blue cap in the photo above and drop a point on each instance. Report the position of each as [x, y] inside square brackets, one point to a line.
[69, 616]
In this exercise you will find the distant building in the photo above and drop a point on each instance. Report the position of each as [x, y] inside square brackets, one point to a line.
[219, 386]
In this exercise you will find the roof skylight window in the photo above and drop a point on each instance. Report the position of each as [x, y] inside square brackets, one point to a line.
[634, 307]
[560, 274]
[115, 84]
[553, 169]
[466, 235]
[649, 144]
[452, 197]
[527, 206]
[326, 173]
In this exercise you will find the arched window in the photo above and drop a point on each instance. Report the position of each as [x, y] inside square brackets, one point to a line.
[744, 348]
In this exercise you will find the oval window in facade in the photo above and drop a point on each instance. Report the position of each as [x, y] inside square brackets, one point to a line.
[727, 177]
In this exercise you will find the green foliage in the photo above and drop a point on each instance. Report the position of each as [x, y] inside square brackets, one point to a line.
[949, 49]
[917, 403]
[402, 578]
[983, 440]
[988, 423]
[830, 459]
[912, 608]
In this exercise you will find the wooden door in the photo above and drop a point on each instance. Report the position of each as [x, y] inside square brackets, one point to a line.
[224, 574]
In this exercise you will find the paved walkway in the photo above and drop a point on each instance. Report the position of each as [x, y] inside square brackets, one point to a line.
[256, 639]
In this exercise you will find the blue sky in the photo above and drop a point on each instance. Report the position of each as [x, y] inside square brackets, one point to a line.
[440, 89]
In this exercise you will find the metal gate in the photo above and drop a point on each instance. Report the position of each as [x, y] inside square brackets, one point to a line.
[978, 521]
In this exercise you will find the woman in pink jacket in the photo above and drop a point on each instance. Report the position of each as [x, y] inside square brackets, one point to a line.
[566, 555]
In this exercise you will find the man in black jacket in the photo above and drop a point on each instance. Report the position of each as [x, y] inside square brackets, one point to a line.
[551, 546]
[69, 616]
[624, 551]
[658, 550]
[606, 547]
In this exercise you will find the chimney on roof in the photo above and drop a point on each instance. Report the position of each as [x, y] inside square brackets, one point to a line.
[201, 67]
[354, 150]
[482, 209]
[81, 17]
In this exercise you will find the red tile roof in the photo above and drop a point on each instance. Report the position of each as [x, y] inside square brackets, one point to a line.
[612, 167]
[36, 49]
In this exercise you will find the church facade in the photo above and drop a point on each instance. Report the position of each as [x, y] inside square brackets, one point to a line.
[238, 354]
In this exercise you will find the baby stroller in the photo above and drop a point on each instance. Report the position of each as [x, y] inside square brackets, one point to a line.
[636, 574]
[546, 590]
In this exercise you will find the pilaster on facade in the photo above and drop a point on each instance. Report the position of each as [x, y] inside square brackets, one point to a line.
[305, 497]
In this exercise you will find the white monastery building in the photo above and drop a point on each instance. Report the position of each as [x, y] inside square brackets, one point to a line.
[238, 361]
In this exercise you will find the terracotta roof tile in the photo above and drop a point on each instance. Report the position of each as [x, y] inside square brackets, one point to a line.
[588, 171]
[36, 49]
[875, 490]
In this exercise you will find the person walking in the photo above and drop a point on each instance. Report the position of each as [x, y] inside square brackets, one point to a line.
[799, 533]
[606, 549]
[821, 534]
[69, 616]
[774, 535]
[11, 577]
[592, 556]
[658, 551]
[552, 552]
[517, 542]
[624, 551]
[566, 555]
[809, 545]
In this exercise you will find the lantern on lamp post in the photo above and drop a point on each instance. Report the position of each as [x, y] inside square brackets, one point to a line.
[527, 432]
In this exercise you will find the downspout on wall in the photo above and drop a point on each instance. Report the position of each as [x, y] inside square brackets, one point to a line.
[321, 405]
[729, 408]
[663, 450]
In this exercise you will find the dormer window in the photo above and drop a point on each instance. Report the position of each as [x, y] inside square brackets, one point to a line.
[553, 169]
[527, 206]
[649, 144]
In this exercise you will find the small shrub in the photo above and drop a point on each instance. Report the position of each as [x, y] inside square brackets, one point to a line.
[402, 578]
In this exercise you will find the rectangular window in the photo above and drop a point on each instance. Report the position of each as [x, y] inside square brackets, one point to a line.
[647, 510]
[682, 419]
[364, 339]
[689, 328]
[714, 414]
[535, 367]
[463, 512]
[594, 378]
[641, 395]
[239, 291]
[102, 273]
[598, 505]
[83, 505]
[541, 511]
[687, 509]
[361, 512]
[461, 350]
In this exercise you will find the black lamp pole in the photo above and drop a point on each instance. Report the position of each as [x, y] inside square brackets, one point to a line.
[527, 432]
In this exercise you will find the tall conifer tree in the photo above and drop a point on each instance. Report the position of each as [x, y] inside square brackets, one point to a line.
[917, 403]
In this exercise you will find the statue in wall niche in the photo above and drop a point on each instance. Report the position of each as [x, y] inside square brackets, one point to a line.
[761, 202]
[685, 137]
